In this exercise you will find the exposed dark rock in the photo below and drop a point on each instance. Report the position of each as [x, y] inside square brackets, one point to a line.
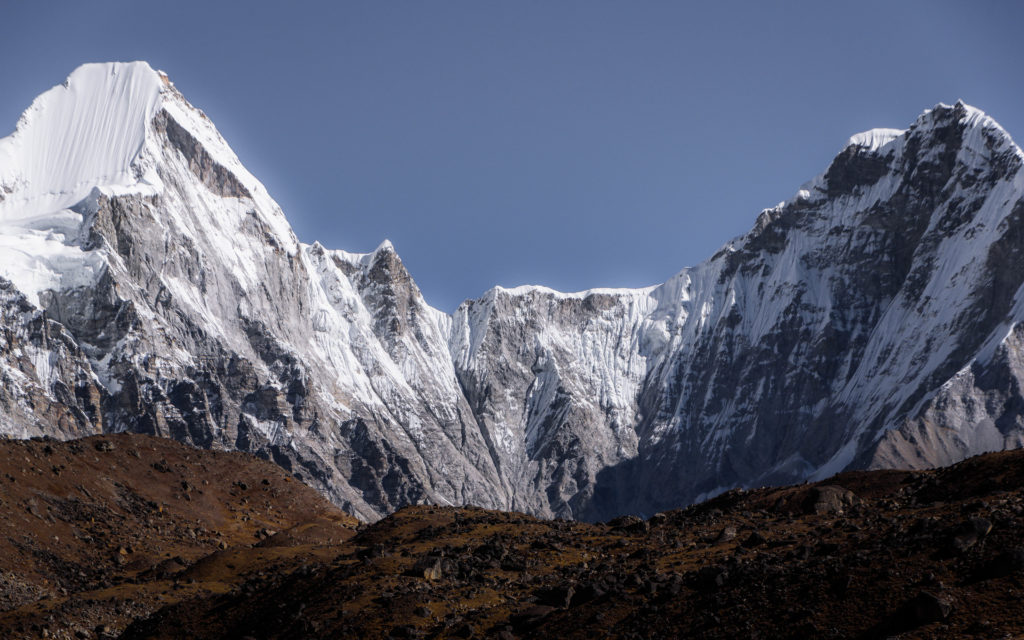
[830, 500]
[755, 539]
[428, 568]
[927, 608]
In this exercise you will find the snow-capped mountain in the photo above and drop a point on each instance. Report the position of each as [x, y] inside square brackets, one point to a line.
[149, 283]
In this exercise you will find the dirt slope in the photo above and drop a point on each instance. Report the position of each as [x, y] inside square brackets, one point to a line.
[137, 537]
[97, 532]
[864, 555]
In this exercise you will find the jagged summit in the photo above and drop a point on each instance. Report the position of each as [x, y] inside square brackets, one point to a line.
[966, 115]
[866, 156]
[148, 283]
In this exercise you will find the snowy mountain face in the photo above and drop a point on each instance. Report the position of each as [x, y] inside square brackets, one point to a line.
[149, 283]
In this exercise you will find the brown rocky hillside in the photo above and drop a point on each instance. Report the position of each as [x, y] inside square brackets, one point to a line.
[137, 537]
[95, 533]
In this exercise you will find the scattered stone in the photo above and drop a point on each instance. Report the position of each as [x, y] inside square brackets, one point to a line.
[981, 526]
[631, 524]
[530, 618]
[712, 577]
[427, 567]
[927, 608]
[558, 597]
[830, 499]
[403, 631]
[587, 593]
[755, 539]
[963, 542]
[161, 466]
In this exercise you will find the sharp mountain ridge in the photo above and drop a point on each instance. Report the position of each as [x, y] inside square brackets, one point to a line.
[148, 283]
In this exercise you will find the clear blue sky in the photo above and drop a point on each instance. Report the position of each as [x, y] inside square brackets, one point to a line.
[570, 144]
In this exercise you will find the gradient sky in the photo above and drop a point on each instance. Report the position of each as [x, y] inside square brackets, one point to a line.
[569, 144]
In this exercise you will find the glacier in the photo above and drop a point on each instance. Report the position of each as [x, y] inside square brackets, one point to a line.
[149, 283]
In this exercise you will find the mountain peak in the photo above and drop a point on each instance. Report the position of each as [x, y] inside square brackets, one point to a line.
[179, 302]
[941, 115]
[965, 118]
[89, 72]
[82, 133]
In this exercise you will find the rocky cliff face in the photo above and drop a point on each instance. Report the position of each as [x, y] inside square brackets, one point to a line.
[150, 284]
[844, 319]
